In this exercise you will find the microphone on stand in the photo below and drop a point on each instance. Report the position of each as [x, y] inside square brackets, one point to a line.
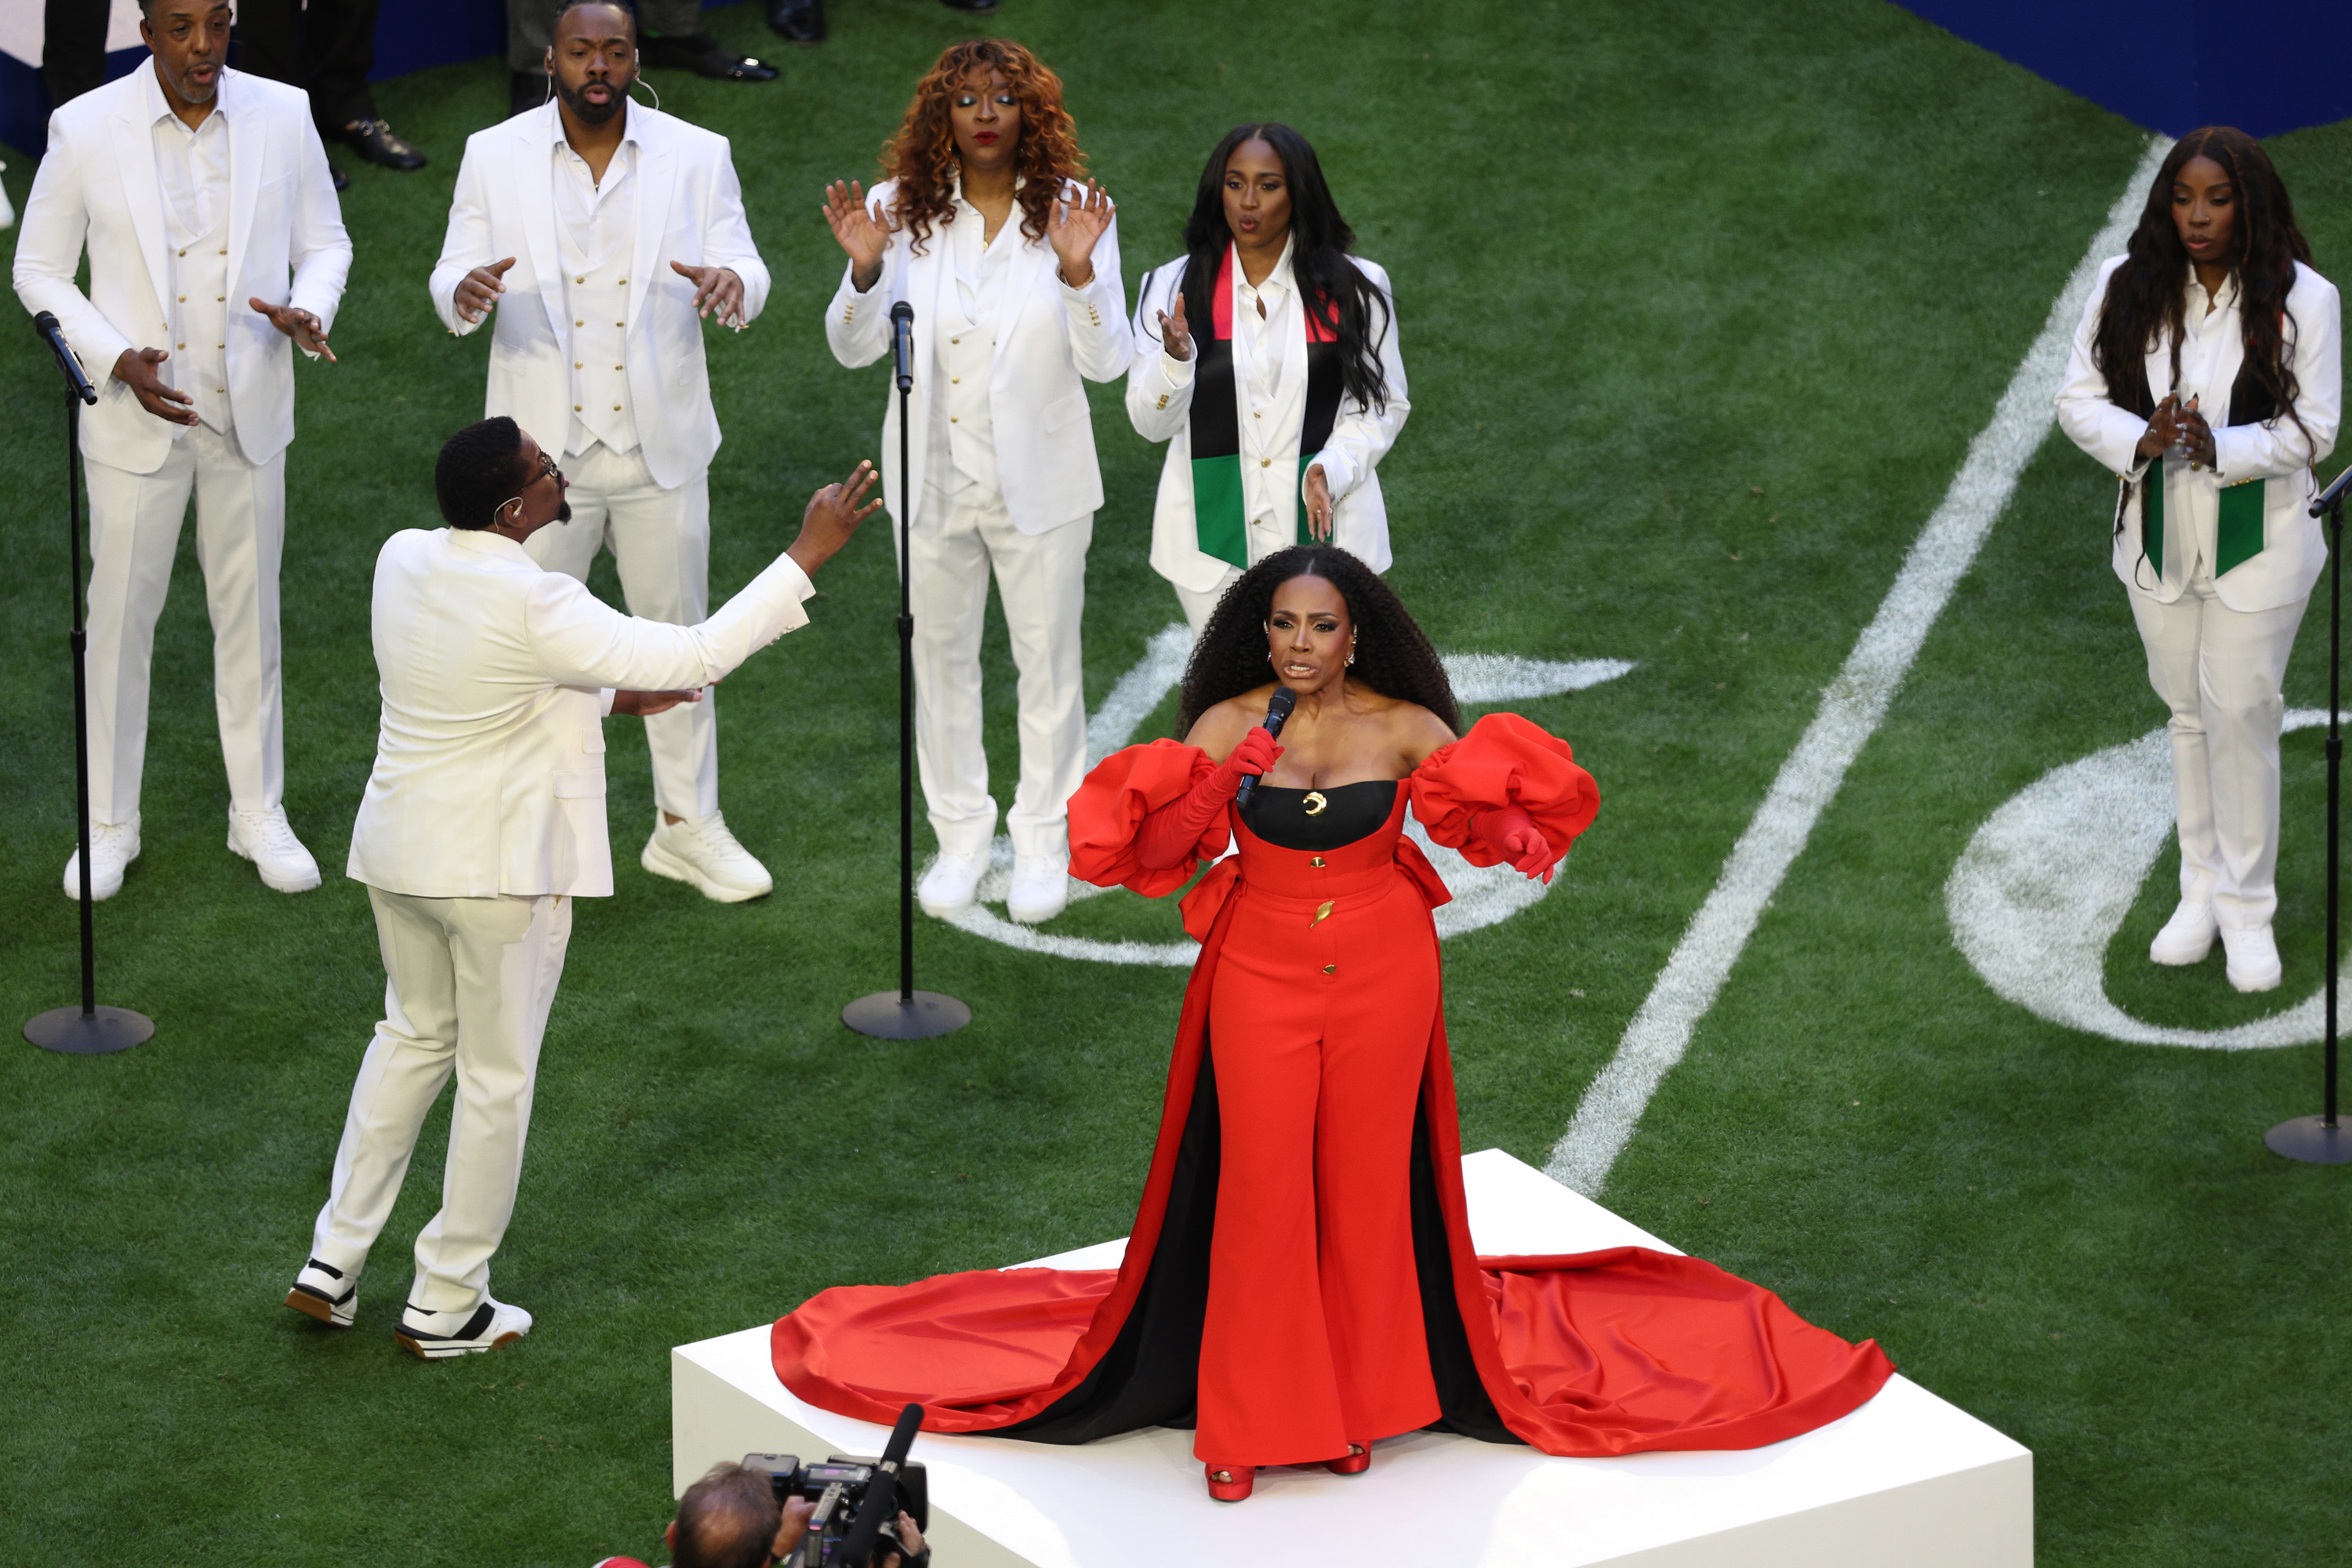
[1277, 712]
[902, 345]
[45, 324]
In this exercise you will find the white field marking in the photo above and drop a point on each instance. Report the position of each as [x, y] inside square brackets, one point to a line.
[1851, 709]
[2037, 897]
[1482, 895]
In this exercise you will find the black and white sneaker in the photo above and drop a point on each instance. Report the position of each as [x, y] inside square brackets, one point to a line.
[436, 1336]
[325, 1292]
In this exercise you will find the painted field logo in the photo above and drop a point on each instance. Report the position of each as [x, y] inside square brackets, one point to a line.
[1482, 896]
[2043, 887]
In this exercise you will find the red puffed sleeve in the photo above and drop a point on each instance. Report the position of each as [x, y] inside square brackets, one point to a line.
[1109, 808]
[1504, 760]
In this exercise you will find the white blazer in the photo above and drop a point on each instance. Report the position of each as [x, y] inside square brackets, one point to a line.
[495, 674]
[2293, 551]
[98, 184]
[689, 209]
[1047, 336]
[1159, 406]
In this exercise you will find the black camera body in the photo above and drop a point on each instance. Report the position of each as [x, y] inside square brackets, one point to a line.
[854, 1476]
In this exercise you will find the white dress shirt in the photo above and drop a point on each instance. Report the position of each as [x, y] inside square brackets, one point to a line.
[597, 230]
[963, 422]
[192, 167]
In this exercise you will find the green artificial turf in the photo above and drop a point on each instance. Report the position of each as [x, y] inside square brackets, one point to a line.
[1702, 306]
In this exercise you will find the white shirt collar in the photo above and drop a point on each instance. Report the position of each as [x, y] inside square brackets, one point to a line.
[483, 541]
[955, 197]
[1277, 281]
[556, 138]
[159, 108]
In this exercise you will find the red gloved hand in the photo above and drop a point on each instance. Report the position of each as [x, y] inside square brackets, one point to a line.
[1168, 836]
[1513, 834]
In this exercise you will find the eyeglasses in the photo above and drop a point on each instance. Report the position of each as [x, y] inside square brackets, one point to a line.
[546, 468]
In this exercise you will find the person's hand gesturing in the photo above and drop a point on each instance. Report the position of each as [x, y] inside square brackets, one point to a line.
[478, 290]
[860, 228]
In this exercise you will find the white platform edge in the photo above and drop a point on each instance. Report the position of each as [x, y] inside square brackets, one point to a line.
[1907, 1478]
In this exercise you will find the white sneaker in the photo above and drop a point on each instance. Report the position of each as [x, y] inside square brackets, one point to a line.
[1040, 889]
[2186, 938]
[325, 1292]
[112, 846]
[702, 851]
[437, 1336]
[264, 838]
[2252, 958]
[951, 882]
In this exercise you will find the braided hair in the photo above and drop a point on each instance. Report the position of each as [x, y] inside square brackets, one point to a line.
[1393, 653]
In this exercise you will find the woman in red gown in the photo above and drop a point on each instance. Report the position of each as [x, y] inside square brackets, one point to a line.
[1299, 1282]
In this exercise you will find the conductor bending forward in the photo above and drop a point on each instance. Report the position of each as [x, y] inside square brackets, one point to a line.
[484, 817]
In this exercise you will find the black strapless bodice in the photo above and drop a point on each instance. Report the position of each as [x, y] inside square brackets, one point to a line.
[1349, 812]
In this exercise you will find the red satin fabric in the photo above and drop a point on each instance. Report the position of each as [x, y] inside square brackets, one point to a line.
[1598, 1353]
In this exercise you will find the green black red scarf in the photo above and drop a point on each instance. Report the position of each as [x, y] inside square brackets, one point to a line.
[1220, 527]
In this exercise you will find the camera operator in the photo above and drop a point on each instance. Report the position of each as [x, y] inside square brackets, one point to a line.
[730, 1519]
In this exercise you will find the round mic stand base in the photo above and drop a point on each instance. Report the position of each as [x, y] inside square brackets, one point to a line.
[887, 1015]
[91, 1034]
[2312, 1139]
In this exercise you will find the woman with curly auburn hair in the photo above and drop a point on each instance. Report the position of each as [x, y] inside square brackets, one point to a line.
[1266, 356]
[2215, 301]
[1011, 265]
[1299, 1282]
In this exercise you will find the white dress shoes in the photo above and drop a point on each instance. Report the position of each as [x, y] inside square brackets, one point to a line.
[264, 838]
[325, 1292]
[1040, 889]
[702, 852]
[2186, 938]
[951, 883]
[112, 846]
[2252, 958]
[438, 1336]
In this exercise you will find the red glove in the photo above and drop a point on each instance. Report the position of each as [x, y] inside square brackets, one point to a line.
[1513, 834]
[1168, 836]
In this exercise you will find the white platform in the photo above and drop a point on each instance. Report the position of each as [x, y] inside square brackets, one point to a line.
[1907, 1479]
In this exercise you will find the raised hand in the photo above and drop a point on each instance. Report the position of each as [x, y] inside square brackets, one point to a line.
[1174, 335]
[135, 368]
[1318, 505]
[309, 334]
[715, 289]
[478, 290]
[858, 227]
[1073, 228]
[1530, 853]
[833, 516]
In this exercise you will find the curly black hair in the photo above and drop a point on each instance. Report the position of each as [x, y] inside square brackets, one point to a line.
[1393, 653]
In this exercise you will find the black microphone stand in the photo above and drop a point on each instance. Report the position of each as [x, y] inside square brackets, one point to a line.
[2319, 1140]
[905, 1013]
[89, 1029]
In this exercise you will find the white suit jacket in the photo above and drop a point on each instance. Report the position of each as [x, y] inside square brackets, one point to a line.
[1047, 336]
[2293, 551]
[495, 674]
[1159, 406]
[97, 185]
[689, 209]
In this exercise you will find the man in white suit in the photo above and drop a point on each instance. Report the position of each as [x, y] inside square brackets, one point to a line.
[200, 192]
[602, 232]
[483, 819]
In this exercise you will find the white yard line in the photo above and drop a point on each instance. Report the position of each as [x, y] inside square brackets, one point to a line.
[1852, 707]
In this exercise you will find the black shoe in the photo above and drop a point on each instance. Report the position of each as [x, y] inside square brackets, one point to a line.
[704, 56]
[800, 21]
[526, 90]
[972, 5]
[342, 181]
[377, 144]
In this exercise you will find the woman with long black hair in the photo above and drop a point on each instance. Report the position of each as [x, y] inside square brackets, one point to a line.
[1266, 358]
[2206, 375]
[1300, 1282]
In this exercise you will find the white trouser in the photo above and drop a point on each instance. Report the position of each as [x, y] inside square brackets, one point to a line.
[134, 532]
[1041, 580]
[660, 542]
[466, 985]
[1264, 541]
[2219, 671]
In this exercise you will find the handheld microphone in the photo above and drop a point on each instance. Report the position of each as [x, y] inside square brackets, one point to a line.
[902, 345]
[46, 325]
[1277, 713]
[881, 1504]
